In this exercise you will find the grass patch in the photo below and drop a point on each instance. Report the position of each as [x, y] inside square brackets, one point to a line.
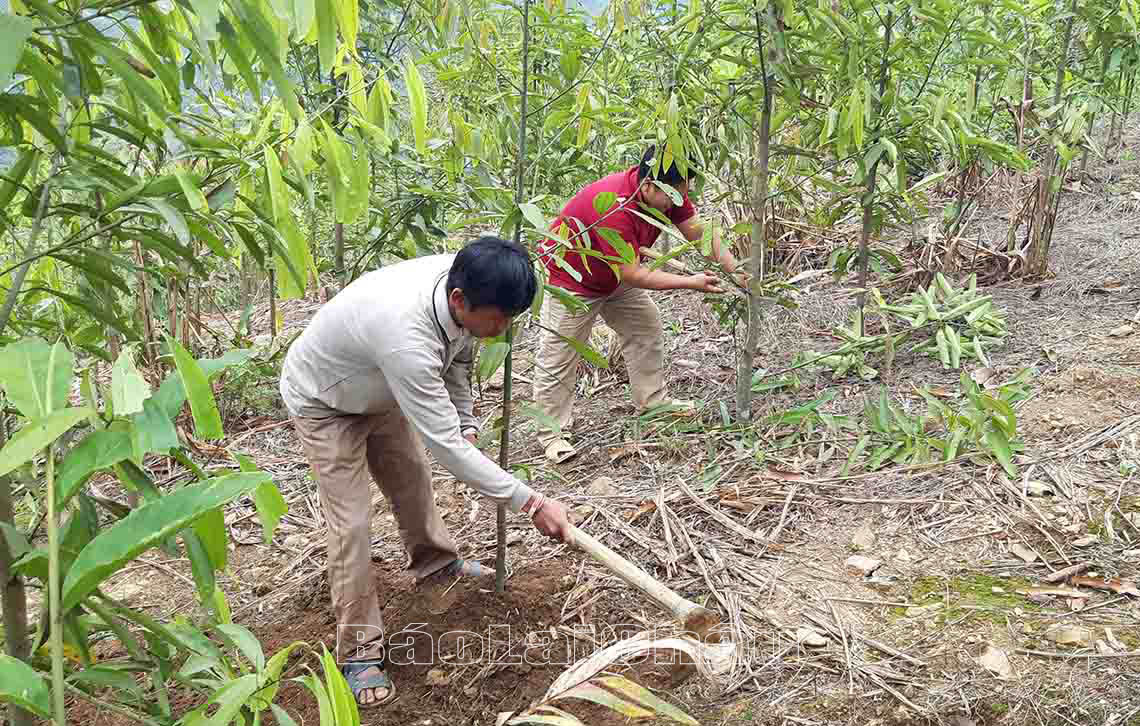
[969, 596]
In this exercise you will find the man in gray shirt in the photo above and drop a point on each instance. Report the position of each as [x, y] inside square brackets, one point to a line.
[383, 368]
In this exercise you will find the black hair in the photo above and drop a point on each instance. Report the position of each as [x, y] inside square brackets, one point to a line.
[492, 271]
[672, 176]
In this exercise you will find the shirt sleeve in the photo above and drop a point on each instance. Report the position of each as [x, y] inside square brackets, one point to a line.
[416, 381]
[457, 380]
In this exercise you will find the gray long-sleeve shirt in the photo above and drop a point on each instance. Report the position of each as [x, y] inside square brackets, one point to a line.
[388, 341]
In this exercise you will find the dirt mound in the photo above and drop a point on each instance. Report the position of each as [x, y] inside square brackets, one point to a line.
[460, 653]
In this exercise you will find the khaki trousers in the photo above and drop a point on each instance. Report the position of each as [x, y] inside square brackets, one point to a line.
[634, 317]
[345, 452]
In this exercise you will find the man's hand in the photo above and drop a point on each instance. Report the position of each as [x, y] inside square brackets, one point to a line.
[473, 438]
[705, 282]
[550, 519]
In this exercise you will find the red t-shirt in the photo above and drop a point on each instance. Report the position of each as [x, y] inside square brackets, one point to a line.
[598, 278]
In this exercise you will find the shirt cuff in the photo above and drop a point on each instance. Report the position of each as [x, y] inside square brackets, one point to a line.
[521, 496]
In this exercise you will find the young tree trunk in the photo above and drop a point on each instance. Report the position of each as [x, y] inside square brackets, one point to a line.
[272, 303]
[338, 253]
[144, 306]
[872, 175]
[759, 238]
[1052, 175]
[14, 598]
[505, 440]
[1026, 87]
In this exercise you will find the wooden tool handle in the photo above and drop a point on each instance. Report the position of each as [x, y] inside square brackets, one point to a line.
[679, 607]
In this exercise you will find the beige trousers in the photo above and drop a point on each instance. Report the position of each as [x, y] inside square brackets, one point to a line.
[345, 452]
[634, 317]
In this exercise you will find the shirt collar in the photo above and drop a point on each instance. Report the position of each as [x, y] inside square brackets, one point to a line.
[442, 316]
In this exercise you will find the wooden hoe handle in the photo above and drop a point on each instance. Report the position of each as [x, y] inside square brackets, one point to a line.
[681, 609]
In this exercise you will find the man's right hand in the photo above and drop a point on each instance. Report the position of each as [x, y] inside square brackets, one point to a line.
[705, 282]
[551, 520]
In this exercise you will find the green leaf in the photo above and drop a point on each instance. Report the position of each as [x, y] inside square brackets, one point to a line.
[304, 13]
[192, 191]
[15, 176]
[274, 667]
[230, 700]
[23, 686]
[35, 376]
[999, 446]
[623, 248]
[171, 395]
[860, 447]
[672, 193]
[100, 450]
[641, 695]
[265, 41]
[281, 716]
[326, 35]
[603, 201]
[211, 530]
[201, 566]
[490, 358]
[534, 215]
[418, 98]
[128, 388]
[37, 434]
[592, 356]
[278, 197]
[14, 33]
[147, 526]
[596, 694]
[152, 431]
[544, 419]
[340, 695]
[348, 18]
[173, 218]
[207, 420]
[570, 301]
[271, 507]
[240, 637]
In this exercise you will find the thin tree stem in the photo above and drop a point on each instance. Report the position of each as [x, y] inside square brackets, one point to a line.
[505, 441]
[54, 611]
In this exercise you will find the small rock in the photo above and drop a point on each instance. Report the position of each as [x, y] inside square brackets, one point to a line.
[810, 638]
[863, 566]
[436, 677]
[919, 611]
[1070, 635]
[603, 486]
[903, 556]
[579, 513]
[295, 541]
[1038, 489]
[686, 363]
[1023, 552]
[997, 590]
[864, 538]
[996, 661]
[1121, 331]
[1085, 541]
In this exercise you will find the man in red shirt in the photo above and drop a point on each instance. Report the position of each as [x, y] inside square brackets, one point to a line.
[601, 267]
